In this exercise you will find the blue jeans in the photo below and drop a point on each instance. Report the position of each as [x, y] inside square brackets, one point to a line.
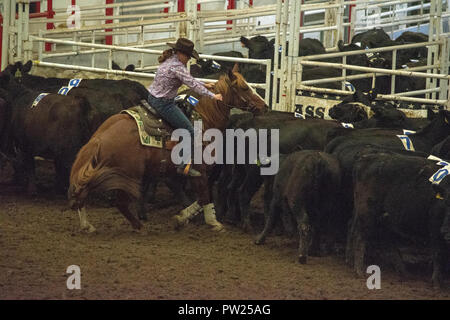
[171, 113]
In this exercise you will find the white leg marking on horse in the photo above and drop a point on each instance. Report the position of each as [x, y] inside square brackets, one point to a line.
[85, 225]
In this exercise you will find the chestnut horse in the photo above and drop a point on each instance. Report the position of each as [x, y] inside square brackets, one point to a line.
[114, 158]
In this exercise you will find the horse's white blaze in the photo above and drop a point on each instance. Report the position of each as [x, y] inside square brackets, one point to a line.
[84, 223]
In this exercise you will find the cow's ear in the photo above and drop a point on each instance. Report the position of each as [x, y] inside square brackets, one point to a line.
[440, 192]
[130, 67]
[430, 114]
[244, 42]
[272, 42]
[27, 66]
[340, 45]
[373, 94]
[235, 67]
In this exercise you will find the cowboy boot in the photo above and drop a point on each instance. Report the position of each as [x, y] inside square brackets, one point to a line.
[183, 217]
[210, 217]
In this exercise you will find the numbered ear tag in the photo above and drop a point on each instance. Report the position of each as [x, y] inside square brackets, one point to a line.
[408, 132]
[440, 175]
[193, 101]
[349, 86]
[216, 65]
[299, 115]
[179, 98]
[440, 162]
[73, 83]
[64, 91]
[407, 143]
[18, 74]
[347, 125]
[38, 99]
[438, 196]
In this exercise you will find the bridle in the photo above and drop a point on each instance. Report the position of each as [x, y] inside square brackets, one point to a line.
[249, 104]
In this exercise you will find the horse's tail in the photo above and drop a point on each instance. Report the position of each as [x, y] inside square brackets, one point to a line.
[89, 173]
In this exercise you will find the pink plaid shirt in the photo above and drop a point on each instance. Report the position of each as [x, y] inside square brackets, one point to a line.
[171, 74]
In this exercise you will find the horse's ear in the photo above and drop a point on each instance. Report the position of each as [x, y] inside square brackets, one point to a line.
[244, 42]
[231, 75]
[235, 67]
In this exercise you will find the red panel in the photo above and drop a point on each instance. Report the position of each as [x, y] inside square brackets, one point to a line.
[180, 5]
[109, 12]
[231, 5]
[50, 14]
[349, 20]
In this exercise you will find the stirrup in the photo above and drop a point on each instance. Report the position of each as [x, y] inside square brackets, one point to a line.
[188, 171]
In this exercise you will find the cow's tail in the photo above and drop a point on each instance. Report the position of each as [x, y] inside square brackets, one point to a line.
[89, 173]
[323, 179]
[84, 120]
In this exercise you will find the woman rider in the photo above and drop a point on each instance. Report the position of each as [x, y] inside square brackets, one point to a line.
[171, 74]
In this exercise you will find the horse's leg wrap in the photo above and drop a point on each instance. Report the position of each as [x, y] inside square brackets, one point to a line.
[85, 225]
[210, 217]
[186, 214]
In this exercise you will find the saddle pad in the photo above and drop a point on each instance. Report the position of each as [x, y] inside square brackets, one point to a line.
[145, 138]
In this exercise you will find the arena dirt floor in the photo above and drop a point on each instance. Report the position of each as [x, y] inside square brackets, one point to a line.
[39, 239]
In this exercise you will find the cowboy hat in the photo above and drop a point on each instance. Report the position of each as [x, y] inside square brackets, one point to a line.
[186, 46]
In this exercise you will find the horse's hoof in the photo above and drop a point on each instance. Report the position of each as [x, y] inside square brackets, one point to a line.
[302, 259]
[88, 229]
[177, 222]
[259, 241]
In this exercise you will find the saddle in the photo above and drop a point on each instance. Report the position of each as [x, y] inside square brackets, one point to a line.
[153, 130]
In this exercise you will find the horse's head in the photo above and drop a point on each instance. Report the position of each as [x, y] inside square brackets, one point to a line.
[237, 93]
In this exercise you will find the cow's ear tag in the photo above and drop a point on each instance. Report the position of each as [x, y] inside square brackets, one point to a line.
[445, 119]
[438, 196]
[18, 74]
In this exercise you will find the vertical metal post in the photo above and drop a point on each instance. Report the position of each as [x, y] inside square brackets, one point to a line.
[444, 59]
[394, 66]
[19, 28]
[344, 72]
[268, 87]
[275, 92]
[5, 32]
[93, 53]
[283, 75]
[433, 34]
[298, 13]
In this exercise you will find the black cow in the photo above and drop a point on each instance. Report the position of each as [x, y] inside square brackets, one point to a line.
[414, 37]
[385, 115]
[127, 92]
[305, 188]
[423, 140]
[54, 128]
[371, 38]
[129, 67]
[293, 135]
[393, 195]
[442, 149]
[106, 97]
